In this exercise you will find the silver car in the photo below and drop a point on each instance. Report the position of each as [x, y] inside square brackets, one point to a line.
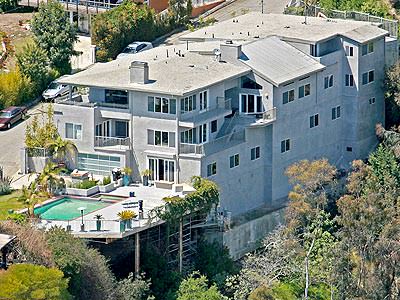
[135, 48]
[55, 90]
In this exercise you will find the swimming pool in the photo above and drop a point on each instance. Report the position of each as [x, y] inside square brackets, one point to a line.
[66, 208]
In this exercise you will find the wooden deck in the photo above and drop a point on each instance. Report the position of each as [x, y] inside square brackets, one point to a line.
[80, 6]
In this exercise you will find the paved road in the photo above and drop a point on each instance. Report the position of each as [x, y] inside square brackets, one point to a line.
[11, 141]
[240, 7]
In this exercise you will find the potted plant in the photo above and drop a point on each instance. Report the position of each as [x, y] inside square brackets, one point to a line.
[146, 173]
[126, 217]
[98, 222]
[127, 172]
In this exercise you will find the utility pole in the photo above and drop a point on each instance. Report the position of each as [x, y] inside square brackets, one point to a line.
[262, 6]
[305, 12]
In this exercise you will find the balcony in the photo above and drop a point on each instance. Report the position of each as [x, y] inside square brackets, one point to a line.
[190, 149]
[112, 143]
[222, 108]
[267, 118]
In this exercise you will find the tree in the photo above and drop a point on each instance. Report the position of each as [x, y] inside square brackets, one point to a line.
[87, 270]
[180, 11]
[368, 264]
[55, 35]
[40, 133]
[15, 88]
[134, 288]
[196, 287]
[113, 30]
[33, 63]
[25, 281]
[30, 196]
[62, 149]
[49, 179]
[392, 95]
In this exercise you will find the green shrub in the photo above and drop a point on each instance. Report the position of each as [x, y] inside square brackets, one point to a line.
[17, 218]
[5, 183]
[106, 180]
[15, 89]
[85, 184]
[6, 5]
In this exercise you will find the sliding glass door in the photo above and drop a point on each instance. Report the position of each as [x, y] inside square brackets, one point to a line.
[162, 169]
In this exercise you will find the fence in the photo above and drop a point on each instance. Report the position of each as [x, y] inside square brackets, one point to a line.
[392, 26]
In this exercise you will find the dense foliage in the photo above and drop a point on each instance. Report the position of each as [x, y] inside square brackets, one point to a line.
[6, 5]
[379, 8]
[54, 34]
[15, 88]
[25, 281]
[392, 95]
[113, 30]
[196, 287]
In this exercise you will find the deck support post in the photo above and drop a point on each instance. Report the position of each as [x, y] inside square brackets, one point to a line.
[181, 245]
[137, 253]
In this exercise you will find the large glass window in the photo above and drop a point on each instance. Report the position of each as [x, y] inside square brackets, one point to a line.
[73, 131]
[98, 164]
[251, 104]
[162, 169]
[188, 103]
[203, 98]
[161, 105]
[160, 138]
[117, 97]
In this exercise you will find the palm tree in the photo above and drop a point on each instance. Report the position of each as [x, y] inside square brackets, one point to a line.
[49, 178]
[30, 196]
[62, 148]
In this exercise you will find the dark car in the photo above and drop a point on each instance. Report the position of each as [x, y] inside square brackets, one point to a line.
[11, 115]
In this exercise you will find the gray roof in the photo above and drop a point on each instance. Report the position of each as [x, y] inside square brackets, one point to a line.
[255, 25]
[278, 61]
[174, 75]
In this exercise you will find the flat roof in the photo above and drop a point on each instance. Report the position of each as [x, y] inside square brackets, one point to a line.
[174, 75]
[277, 61]
[256, 25]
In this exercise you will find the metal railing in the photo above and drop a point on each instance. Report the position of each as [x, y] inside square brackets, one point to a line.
[38, 152]
[83, 100]
[88, 5]
[391, 26]
[107, 141]
[269, 115]
[112, 105]
[191, 148]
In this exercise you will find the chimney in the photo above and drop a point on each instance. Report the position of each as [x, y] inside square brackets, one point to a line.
[230, 52]
[139, 72]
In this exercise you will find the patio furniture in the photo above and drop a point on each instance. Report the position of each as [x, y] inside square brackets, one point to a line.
[77, 175]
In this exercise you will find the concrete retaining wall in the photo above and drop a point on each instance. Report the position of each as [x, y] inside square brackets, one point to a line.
[245, 238]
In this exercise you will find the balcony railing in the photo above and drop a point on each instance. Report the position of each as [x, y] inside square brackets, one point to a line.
[266, 117]
[191, 148]
[192, 116]
[83, 100]
[114, 142]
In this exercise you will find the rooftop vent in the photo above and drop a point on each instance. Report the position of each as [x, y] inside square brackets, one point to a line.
[139, 72]
[230, 52]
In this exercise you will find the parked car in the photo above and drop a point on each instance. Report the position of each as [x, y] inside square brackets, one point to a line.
[11, 115]
[135, 48]
[55, 90]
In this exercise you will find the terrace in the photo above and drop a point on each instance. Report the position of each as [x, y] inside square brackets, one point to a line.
[111, 225]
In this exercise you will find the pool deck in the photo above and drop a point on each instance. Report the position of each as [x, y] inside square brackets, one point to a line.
[151, 196]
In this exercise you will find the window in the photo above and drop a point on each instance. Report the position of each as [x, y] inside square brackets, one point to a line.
[250, 84]
[188, 103]
[202, 134]
[367, 48]
[214, 126]
[203, 100]
[288, 96]
[349, 149]
[189, 136]
[372, 100]
[121, 129]
[116, 97]
[304, 90]
[314, 121]
[313, 50]
[255, 153]
[97, 164]
[73, 131]
[160, 138]
[349, 51]
[234, 161]
[349, 80]
[368, 77]
[335, 112]
[161, 105]
[285, 146]
[328, 81]
[251, 104]
[211, 169]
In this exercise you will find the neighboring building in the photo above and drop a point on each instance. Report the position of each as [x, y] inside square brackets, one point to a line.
[240, 115]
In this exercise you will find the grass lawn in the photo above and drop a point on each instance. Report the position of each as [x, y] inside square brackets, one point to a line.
[9, 202]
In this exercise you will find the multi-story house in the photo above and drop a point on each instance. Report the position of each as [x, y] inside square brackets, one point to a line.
[250, 97]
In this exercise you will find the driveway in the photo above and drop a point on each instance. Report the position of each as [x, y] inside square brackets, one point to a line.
[11, 142]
